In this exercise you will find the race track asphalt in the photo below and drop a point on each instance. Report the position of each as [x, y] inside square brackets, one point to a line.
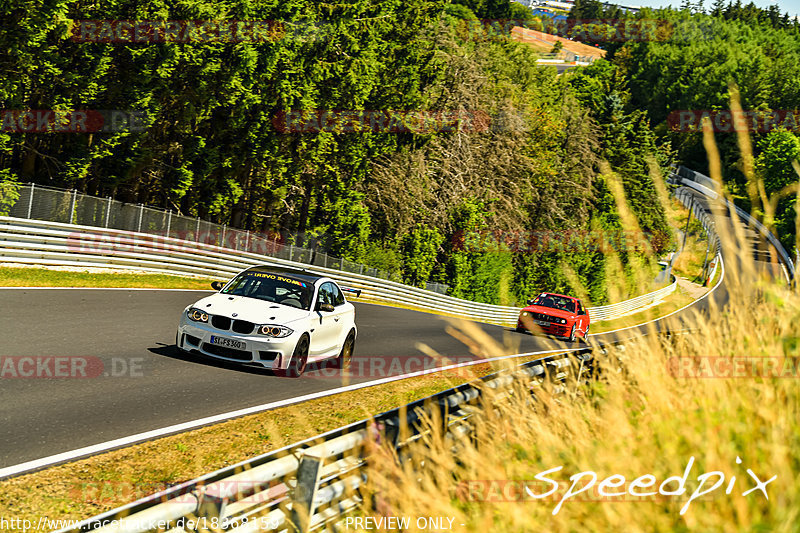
[144, 383]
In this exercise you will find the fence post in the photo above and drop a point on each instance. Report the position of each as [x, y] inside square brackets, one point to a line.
[141, 212]
[308, 474]
[72, 209]
[222, 240]
[30, 200]
[169, 222]
[197, 231]
[108, 210]
[291, 250]
[247, 241]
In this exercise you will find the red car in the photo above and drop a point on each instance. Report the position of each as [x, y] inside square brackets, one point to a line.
[555, 314]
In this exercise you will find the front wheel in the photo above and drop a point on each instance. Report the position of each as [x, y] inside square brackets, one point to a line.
[299, 360]
[572, 334]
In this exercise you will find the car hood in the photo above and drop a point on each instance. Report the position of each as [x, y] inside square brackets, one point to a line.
[548, 311]
[250, 309]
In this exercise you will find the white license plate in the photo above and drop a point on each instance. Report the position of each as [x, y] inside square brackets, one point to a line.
[542, 322]
[228, 343]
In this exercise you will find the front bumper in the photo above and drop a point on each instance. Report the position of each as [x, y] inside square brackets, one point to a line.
[555, 330]
[266, 351]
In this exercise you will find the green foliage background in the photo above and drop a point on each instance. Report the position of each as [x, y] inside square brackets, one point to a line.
[395, 201]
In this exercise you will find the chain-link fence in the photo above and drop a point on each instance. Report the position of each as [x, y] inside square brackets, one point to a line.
[71, 207]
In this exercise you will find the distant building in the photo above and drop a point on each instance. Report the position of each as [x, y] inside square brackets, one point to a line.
[544, 12]
[549, 4]
[626, 9]
[565, 6]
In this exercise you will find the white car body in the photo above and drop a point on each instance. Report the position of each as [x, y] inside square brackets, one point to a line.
[234, 322]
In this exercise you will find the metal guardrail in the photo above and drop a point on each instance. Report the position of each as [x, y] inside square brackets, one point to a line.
[309, 485]
[708, 187]
[71, 207]
[30, 241]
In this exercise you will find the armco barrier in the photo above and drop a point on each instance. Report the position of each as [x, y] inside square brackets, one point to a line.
[706, 186]
[29, 241]
[310, 485]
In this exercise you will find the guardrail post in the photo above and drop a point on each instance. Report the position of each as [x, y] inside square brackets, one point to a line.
[247, 241]
[72, 209]
[688, 219]
[169, 222]
[308, 474]
[30, 200]
[291, 250]
[222, 240]
[141, 212]
[108, 210]
[197, 231]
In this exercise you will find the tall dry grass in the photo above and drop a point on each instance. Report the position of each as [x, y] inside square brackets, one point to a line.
[634, 418]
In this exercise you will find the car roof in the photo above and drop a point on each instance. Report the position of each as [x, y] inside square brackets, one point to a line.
[556, 294]
[297, 273]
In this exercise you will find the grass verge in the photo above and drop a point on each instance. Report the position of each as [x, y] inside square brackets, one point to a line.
[87, 487]
[62, 277]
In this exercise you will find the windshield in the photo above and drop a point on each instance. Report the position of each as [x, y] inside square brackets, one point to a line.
[272, 288]
[555, 302]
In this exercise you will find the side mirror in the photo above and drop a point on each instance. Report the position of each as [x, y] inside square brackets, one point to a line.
[581, 312]
[325, 307]
[530, 302]
[217, 285]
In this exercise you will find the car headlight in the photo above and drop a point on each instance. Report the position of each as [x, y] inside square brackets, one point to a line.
[525, 313]
[272, 330]
[563, 320]
[197, 315]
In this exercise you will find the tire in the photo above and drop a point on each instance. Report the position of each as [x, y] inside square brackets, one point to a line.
[586, 335]
[346, 355]
[299, 361]
[572, 334]
[520, 330]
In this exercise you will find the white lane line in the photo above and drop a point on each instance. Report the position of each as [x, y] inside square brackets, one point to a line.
[38, 464]
[99, 289]
[719, 282]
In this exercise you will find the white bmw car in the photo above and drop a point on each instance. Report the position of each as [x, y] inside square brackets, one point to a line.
[279, 318]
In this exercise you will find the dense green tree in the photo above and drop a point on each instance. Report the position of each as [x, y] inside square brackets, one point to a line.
[234, 131]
